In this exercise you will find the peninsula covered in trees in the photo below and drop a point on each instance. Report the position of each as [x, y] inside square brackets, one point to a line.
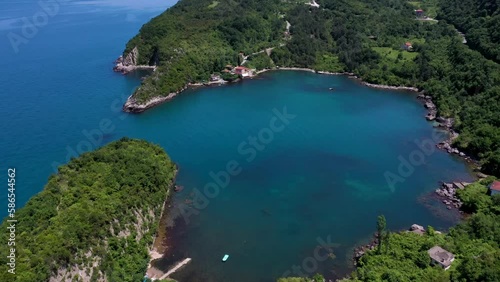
[95, 219]
[196, 39]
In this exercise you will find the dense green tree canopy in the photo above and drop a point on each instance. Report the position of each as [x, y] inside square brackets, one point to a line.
[479, 20]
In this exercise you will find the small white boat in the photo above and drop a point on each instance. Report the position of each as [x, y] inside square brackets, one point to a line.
[226, 256]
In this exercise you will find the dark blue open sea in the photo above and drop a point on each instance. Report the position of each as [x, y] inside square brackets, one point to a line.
[317, 173]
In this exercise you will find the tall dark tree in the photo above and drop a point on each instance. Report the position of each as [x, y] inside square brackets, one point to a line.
[381, 231]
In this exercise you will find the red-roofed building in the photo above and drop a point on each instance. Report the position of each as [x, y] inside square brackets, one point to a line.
[495, 187]
[419, 13]
[407, 46]
[243, 71]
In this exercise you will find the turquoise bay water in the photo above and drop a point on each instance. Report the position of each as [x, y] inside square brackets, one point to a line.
[322, 176]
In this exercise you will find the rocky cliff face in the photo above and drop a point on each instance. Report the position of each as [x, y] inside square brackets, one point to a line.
[131, 59]
[130, 63]
[85, 271]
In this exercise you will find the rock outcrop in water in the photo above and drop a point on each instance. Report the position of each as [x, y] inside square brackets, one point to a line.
[447, 124]
[448, 192]
[444, 123]
[430, 106]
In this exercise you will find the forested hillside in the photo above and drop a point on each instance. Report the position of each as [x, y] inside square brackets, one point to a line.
[196, 38]
[95, 218]
[479, 20]
[475, 244]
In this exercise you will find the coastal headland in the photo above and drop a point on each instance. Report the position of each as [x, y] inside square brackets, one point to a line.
[213, 42]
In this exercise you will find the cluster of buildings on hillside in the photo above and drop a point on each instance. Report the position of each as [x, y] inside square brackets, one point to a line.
[419, 13]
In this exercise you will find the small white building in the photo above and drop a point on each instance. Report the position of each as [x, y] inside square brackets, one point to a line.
[243, 71]
[441, 257]
[215, 77]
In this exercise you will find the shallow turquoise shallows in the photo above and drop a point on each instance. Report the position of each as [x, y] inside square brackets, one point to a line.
[286, 172]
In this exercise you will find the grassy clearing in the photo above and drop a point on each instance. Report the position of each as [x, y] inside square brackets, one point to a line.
[327, 62]
[429, 6]
[388, 53]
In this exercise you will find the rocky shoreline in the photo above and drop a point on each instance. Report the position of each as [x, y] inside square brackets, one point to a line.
[361, 250]
[445, 124]
[448, 193]
[132, 106]
[382, 86]
[430, 106]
